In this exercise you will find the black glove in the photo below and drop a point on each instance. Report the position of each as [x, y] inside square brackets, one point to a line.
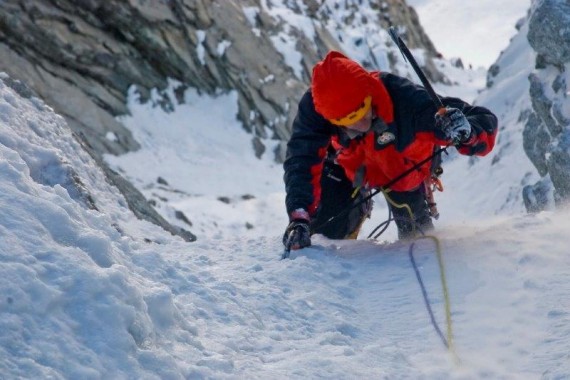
[297, 235]
[454, 124]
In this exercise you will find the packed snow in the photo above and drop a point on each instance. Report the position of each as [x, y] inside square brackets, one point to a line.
[90, 292]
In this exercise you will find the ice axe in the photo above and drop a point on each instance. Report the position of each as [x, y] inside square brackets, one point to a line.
[410, 58]
[433, 182]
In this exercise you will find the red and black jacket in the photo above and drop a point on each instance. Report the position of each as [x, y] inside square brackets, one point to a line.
[406, 136]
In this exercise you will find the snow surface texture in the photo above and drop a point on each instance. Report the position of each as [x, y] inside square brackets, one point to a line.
[90, 292]
[81, 299]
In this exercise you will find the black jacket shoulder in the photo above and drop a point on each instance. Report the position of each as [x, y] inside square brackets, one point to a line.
[414, 110]
[410, 102]
[311, 133]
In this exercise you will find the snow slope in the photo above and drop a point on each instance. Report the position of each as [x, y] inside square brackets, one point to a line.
[93, 293]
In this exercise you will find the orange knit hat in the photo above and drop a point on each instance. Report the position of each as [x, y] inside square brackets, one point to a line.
[341, 89]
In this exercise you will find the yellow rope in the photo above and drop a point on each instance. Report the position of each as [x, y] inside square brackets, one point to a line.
[401, 205]
[354, 234]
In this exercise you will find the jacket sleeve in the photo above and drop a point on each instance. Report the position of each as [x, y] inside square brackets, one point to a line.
[483, 124]
[306, 150]
[415, 115]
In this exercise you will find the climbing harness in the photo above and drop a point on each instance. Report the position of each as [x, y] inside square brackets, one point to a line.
[433, 183]
[437, 152]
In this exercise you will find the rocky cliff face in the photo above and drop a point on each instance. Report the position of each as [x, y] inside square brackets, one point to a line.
[547, 131]
[81, 56]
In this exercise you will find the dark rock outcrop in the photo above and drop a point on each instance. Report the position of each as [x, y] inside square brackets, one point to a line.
[81, 57]
[546, 136]
[548, 31]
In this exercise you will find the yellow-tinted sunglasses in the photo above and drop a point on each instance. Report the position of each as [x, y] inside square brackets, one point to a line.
[355, 116]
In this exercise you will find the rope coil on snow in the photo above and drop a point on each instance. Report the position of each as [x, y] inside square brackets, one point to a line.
[446, 339]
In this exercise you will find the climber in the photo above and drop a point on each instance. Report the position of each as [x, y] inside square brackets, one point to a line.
[356, 131]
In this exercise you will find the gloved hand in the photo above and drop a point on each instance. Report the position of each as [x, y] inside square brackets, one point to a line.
[454, 124]
[297, 235]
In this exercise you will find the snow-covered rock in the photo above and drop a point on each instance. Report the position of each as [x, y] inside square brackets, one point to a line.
[547, 130]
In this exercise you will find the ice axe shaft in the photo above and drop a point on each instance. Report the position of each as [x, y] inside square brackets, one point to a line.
[410, 58]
